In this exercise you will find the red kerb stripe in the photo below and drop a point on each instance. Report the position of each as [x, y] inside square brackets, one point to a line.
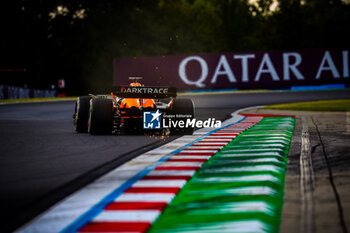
[267, 115]
[166, 178]
[177, 168]
[197, 153]
[137, 206]
[152, 190]
[116, 227]
[213, 141]
[190, 149]
[206, 144]
[224, 134]
[186, 160]
[218, 138]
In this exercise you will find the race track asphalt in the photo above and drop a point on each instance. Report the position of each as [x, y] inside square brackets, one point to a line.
[43, 159]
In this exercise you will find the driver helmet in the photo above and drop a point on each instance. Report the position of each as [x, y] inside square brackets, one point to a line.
[135, 84]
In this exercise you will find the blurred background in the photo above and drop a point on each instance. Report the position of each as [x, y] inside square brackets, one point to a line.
[43, 42]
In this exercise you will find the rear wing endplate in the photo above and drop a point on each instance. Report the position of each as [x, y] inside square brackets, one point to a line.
[145, 92]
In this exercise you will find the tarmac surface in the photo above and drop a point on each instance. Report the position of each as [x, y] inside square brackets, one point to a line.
[43, 159]
[322, 204]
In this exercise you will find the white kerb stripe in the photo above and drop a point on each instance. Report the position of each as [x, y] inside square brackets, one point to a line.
[145, 197]
[223, 134]
[219, 133]
[172, 173]
[238, 129]
[206, 147]
[218, 139]
[198, 151]
[160, 183]
[208, 143]
[181, 164]
[190, 157]
[127, 216]
[232, 130]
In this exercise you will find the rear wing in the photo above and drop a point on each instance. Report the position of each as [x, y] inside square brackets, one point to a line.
[144, 92]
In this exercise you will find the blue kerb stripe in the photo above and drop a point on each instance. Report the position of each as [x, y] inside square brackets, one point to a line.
[99, 207]
[322, 87]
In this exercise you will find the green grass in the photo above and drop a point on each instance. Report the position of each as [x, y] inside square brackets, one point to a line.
[323, 106]
[8, 101]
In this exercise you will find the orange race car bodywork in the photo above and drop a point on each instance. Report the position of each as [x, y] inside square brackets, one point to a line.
[133, 102]
[137, 103]
[125, 112]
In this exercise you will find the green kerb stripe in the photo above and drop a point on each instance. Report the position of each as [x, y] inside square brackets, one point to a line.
[240, 189]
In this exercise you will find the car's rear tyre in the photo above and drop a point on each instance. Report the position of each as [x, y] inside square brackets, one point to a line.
[183, 107]
[81, 115]
[101, 116]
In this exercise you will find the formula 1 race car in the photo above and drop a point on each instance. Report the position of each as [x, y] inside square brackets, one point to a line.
[134, 109]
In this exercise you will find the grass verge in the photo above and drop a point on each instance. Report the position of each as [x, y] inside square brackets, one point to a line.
[322, 105]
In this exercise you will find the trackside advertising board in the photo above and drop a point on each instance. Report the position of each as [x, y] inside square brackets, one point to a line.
[280, 69]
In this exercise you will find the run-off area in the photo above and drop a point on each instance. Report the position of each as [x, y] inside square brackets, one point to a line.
[238, 188]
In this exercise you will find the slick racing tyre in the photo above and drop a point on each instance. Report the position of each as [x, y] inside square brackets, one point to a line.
[183, 107]
[81, 115]
[101, 116]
